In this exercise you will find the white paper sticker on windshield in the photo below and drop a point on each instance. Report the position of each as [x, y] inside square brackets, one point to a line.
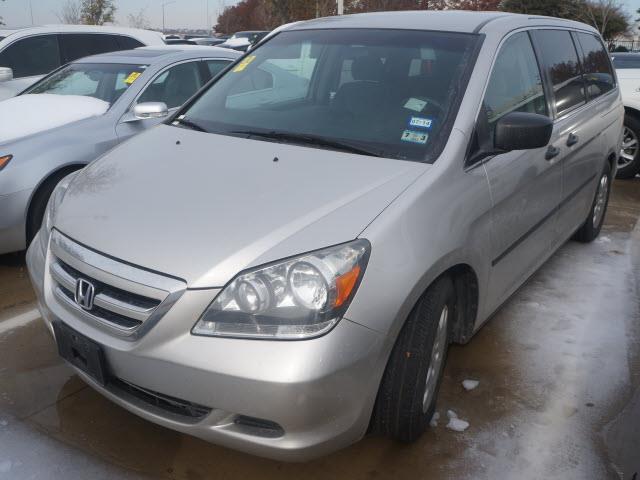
[421, 122]
[414, 137]
[415, 104]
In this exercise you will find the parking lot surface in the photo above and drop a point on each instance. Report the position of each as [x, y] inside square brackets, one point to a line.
[558, 369]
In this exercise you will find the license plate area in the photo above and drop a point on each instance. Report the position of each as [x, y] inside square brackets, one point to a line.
[81, 352]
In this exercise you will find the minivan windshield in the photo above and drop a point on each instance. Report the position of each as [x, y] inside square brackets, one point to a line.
[388, 93]
[104, 81]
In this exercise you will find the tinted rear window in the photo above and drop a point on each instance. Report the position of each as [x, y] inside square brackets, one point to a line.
[598, 73]
[36, 55]
[76, 46]
[561, 63]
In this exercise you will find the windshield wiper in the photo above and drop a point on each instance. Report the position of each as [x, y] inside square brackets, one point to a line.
[308, 139]
[183, 122]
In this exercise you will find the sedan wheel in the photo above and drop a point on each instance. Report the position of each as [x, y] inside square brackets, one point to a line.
[629, 158]
[629, 148]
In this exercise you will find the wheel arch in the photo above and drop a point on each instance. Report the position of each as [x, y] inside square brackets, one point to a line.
[45, 182]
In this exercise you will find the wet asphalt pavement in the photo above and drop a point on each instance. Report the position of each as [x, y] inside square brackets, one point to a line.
[559, 396]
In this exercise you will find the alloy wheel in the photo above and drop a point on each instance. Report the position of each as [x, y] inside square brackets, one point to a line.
[629, 148]
[437, 358]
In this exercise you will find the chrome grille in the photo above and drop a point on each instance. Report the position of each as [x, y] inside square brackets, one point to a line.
[127, 300]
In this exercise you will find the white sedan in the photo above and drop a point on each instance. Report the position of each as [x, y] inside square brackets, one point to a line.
[627, 67]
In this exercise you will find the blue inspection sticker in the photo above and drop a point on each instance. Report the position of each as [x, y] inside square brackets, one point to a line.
[421, 122]
[414, 137]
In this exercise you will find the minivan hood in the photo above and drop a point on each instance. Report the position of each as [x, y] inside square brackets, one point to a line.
[203, 207]
[29, 114]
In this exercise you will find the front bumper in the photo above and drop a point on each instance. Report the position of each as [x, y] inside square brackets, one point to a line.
[318, 393]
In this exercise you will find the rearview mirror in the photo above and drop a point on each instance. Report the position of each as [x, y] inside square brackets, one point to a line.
[522, 131]
[6, 74]
[143, 111]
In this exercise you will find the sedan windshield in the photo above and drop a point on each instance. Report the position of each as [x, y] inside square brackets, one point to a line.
[102, 81]
[390, 93]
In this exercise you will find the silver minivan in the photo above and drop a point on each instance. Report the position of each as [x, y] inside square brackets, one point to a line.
[281, 267]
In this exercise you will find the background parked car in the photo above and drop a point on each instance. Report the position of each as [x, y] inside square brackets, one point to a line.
[627, 67]
[33, 52]
[210, 41]
[80, 111]
[242, 41]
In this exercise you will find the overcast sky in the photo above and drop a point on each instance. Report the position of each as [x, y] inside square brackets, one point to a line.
[180, 13]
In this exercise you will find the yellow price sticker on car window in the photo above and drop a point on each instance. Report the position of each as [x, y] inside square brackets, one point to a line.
[133, 76]
[244, 63]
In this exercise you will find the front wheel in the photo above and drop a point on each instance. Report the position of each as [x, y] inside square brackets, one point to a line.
[409, 389]
[590, 229]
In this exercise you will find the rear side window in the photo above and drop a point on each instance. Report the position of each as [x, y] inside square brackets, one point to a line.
[128, 43]
[76, 46]
[598, 73]
[31, 56]
[561, 63]
[515, 84]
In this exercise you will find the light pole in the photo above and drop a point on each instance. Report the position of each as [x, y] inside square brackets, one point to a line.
[164, 5]
[340, 7]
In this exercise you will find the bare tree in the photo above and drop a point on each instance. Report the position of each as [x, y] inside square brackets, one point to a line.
[70, 13]
[1, 22]
[139, 19]
[602, 14]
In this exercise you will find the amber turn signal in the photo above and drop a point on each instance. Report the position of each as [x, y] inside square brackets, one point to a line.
[5, 160]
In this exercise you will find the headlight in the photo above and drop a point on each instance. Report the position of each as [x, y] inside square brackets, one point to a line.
[52, 206]
[296, 298]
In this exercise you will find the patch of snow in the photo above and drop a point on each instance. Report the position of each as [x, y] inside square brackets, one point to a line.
[3, 423]
[28, 114]
[434, 420]
[470, 384]
[5, 467]
[457, 425]
[603, 239]
[452, 414]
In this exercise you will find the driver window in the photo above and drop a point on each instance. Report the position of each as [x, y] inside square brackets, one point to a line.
[515, 84]
[174, 86]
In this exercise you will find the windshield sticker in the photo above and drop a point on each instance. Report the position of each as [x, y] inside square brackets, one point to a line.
[415, 104]
[244, 63]
[414, 137]
[421, 122]
[133, 76]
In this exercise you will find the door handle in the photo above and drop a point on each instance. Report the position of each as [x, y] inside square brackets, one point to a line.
[572, 140]
[552, 152]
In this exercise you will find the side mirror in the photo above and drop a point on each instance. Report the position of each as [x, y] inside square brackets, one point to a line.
[522, 131]
[143, 111]
[6, 74]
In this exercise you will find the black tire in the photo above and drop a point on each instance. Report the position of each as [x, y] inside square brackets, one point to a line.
[39, 203]
[399, 411]
[589, 230]
[631, 169]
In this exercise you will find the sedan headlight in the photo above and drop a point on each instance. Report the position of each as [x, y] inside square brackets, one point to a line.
[52, 207]
[295, 298]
